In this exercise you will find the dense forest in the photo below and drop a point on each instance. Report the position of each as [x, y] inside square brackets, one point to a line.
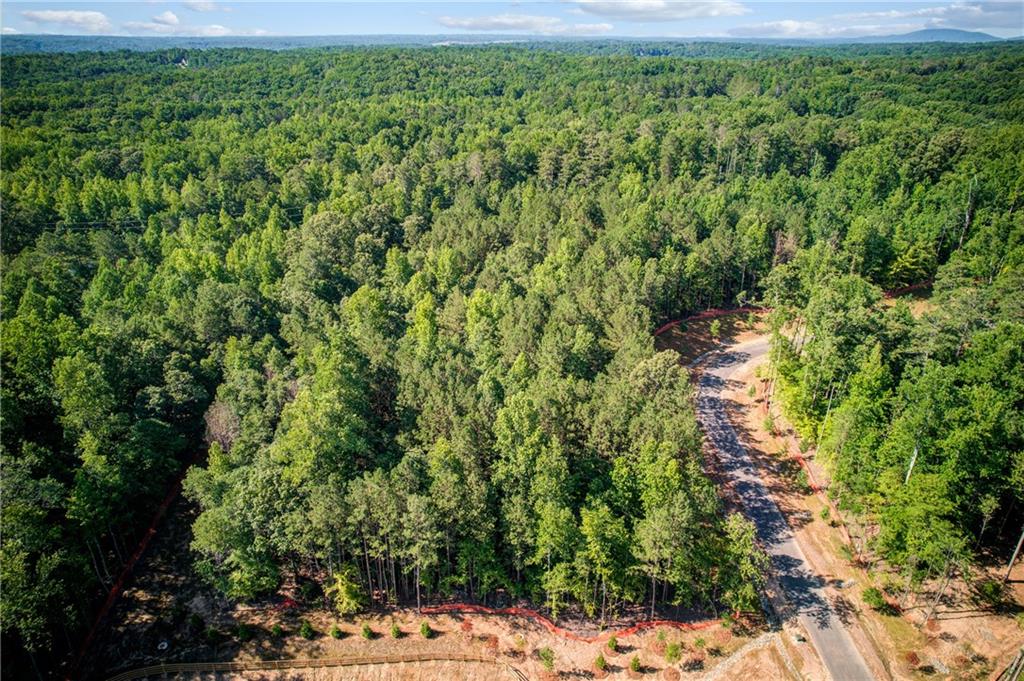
[392, 311]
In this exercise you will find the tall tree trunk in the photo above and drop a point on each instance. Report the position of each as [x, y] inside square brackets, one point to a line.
[942, 590]
[95, 565]
[369, 572]
[1013, 558]
[418, 609]
[604, 598]
[654, 591]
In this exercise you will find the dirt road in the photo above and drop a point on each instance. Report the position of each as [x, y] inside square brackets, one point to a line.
[804, 590]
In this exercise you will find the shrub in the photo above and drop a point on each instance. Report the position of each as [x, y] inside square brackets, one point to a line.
[345, 592]
[874, 598]
[825, 514]
[277, 631]
[212, 636]
[634, 664]
[1019, 617]
[769, 425]
[699, 642]
[243, 633]
[662, 635]
[751, 392]
[599, 663]
[802, 481]
[426, 631]
[613, 644]
[396, 631]
[991, 592]
[673, 652]
[715, 329]
[547, 658]
[306, 630]
[310, 590]
[366, 632]
[335, 631]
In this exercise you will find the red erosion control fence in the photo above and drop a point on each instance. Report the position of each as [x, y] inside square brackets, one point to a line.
[458, 608]
[215, 668]
[122, 578]
[709, 314]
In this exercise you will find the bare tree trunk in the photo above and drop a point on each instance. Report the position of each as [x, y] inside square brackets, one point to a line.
[417, 587]
[1009, 566]
[103, 561]
[369, 572]
[654, 591]
[117, 548]
[941, 591]
[95, 565]
[913, 460]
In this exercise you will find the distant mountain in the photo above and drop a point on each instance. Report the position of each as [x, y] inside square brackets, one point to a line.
[928, 35]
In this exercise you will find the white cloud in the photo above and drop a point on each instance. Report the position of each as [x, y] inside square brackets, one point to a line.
[996, 17]
[523, 23]
[790, 28]
[84, 20]
[7, 30]
[201, 5]
[662, 10]
[965, 15]
[161, 25]
[167, 18]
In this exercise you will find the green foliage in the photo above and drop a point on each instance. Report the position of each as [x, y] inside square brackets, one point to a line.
[547, 658]
[365, 631]
[803, 482]
[277, 631]
[991, 592]
[306, 630]
[613, 643]
[425, 630]
[750, 564]
[673, 652]
[874, 598]
[396, 631]
[243, 632]
[345, 593]
[599, 663]
[336, 631]
[634, 663]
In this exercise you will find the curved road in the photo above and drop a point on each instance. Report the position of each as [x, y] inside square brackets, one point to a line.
[804, 590]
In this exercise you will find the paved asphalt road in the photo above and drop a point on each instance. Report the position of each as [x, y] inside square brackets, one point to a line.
[803, 588]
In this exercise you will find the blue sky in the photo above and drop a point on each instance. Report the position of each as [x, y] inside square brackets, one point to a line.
[683, 18]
